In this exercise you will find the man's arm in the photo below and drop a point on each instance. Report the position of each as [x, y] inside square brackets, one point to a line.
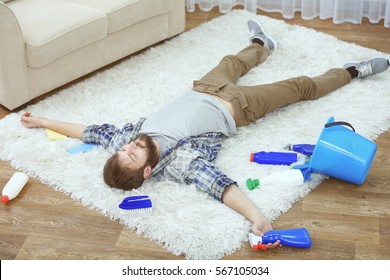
[238, 201]
[69, 129]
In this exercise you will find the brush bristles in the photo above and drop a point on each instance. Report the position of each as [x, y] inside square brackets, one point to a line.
[140, 210]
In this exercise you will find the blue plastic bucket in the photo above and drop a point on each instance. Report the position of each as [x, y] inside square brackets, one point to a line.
[342, 153]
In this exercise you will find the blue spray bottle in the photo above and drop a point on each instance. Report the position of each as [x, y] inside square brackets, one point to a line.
[297, 237]
[276, 158]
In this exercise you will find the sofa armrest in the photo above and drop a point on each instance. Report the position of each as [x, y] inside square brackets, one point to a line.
[14, 89]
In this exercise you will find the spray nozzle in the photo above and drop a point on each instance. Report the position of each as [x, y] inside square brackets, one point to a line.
[252, 184]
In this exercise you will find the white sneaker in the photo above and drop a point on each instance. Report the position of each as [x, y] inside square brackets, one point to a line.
[370, 67]
[257, 32]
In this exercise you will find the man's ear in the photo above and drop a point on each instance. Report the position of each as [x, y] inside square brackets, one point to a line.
[147, 171]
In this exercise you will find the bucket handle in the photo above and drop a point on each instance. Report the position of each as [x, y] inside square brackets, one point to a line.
[339, 123]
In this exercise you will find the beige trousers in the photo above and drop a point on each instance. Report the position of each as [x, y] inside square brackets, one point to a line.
[252, 102]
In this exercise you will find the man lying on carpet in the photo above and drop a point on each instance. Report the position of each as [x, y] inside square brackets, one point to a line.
[181, 141]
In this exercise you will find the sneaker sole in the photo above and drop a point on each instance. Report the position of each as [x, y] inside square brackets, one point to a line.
[262, 30]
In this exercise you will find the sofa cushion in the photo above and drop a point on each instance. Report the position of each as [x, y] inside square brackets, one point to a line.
[5, 1]
[53, 28]
[124, 13]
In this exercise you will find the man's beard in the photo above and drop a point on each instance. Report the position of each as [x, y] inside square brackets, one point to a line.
[151, 149]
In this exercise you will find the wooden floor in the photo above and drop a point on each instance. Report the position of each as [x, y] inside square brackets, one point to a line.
[345, 221]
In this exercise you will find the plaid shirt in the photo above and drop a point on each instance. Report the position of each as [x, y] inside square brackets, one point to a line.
[191, 161]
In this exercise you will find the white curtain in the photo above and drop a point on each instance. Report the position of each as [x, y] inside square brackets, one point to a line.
[340, 10]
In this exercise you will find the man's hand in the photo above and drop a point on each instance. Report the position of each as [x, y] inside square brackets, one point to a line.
[260, 227]
[29, 121]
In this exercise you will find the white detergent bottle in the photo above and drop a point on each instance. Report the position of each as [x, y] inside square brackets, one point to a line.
[14, 186]
[285, 178]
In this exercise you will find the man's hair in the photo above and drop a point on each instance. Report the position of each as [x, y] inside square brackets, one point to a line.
[122, 177]
[126, 178]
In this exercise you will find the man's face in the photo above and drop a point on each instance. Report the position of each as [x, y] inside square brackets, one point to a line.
[139, 153]
[133, 155]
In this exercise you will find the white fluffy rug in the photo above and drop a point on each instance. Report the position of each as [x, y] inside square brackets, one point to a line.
[185, 220]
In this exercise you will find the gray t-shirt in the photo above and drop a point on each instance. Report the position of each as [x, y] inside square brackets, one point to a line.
[191, 114]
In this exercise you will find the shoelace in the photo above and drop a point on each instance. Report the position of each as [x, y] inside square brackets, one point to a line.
[365, 70]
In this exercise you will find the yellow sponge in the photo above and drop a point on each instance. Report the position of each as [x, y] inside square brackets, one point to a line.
[52, 135]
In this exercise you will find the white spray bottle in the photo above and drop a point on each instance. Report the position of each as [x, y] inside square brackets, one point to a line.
[285, 178]
[14, 186]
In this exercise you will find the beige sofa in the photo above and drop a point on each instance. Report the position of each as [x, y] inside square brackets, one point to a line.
[47, 43]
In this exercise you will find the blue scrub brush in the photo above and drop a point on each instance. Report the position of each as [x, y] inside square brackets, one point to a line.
[137, 203]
